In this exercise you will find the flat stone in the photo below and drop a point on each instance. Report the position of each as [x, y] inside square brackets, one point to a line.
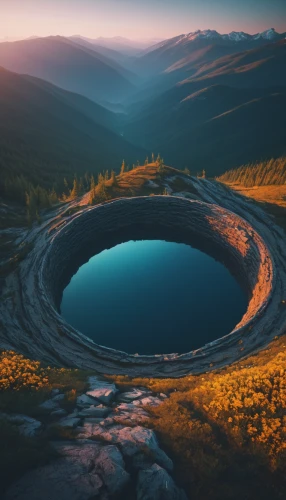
[30, 429]
[84, 401]
[131, 395]
[27, 426]
[155, 483]
[149, 401]
[54, 392]
[95, 411]
[94, 420]
[111, 467]
[71, 422]
[74, 413]
[130, 419]
[59, 413]
[58, 397]
[101, 390]
[131, 407]
[72, 477]
[132, 440]
[49, 404]
[128, 413]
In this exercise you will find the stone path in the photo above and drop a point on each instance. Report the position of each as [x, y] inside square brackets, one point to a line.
[113, 455]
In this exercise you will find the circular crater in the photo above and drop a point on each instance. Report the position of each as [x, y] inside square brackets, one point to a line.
[210, 228]
[136, 295]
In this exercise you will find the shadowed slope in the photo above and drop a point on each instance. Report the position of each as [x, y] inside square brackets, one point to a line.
[47, 132]
[69, 65]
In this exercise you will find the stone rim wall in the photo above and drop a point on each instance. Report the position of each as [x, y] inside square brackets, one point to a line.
[215, 225]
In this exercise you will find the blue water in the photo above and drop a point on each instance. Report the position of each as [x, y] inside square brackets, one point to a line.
[153, 297]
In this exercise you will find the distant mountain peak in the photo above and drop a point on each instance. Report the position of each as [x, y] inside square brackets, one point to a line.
[269, 34]
[234, 36]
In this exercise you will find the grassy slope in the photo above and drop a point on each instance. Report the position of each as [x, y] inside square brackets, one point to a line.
[225, 430]
[266, 194]
[139, 182]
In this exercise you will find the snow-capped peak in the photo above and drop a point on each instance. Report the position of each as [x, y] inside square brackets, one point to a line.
[237, 36]
[202, 34]
[267, 35]
[234, 36]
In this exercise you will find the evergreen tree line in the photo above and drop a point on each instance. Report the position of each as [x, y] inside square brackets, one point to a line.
[266, 173]
[20, 190]
[36, 197]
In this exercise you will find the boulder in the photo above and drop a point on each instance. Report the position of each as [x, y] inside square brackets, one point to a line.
[131, 395]
[27, 426]
[149, 401]
[85, 401]
[58, 397]
[59, 413]
[131, 440]
[139, 439]
[111, 468]
[128, 413]
[71, 422]
[72, 477]
[86, 470]
[49, 404]
[99, 411]
[155, 483]
[54, 392]
[101, 390]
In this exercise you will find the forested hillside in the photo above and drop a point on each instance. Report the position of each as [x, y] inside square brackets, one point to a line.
[47, 134]
[265, 173]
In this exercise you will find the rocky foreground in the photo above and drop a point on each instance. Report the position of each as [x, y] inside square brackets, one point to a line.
[111, 456]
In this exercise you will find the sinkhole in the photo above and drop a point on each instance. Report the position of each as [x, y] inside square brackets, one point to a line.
[152, 296]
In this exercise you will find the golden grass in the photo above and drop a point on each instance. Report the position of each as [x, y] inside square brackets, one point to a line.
[135, 183]
[264, 194]
[25, 383]
[232, 418]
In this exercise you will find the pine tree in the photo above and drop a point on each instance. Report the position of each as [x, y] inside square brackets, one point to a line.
[53, 197]
[271, 172]
[113, 178]
[92, 192]
[75, 189]
[100, 179]
[161, 165]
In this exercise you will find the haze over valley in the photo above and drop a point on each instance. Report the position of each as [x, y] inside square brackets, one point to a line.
[172, 97]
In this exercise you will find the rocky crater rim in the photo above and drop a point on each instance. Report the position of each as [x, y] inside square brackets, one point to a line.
[216, 231]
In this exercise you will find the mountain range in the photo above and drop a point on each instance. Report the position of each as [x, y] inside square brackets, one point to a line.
[204, 119]
[203, 100]
[69, 65]
[47, 132]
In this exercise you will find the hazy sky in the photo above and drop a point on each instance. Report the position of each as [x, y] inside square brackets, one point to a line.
[137, 18]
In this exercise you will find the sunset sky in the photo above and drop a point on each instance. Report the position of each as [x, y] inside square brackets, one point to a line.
[137, 18]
